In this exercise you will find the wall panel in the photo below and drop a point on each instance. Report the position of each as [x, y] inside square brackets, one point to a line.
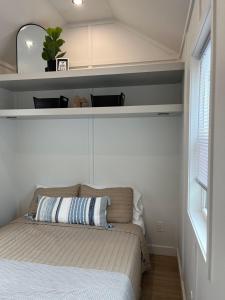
[111, 43]
[50, 152]
[8, 199]
[143, 152]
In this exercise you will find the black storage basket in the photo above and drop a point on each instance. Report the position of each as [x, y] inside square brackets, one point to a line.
[108, 100]
[61, 102]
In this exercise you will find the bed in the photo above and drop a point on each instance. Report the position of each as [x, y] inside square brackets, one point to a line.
[41, 260]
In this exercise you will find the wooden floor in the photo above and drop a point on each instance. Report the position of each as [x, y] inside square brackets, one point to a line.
[162, 282]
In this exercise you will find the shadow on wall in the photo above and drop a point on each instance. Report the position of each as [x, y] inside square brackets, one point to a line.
[8, 49]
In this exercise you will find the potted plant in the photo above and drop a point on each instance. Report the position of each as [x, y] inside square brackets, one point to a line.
[52, 47]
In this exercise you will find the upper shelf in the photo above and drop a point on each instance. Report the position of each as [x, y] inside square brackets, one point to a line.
[154, 73]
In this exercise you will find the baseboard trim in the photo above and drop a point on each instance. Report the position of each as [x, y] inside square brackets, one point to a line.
[162, 250]
[181, 276]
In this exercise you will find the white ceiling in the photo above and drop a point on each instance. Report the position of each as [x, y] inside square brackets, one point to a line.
[161, 20]
[90, 11]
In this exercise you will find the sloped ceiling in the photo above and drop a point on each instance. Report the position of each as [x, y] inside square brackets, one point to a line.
[160, 20]
[90, 11]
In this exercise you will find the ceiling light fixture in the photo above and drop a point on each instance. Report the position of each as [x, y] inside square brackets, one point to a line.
[77, 2]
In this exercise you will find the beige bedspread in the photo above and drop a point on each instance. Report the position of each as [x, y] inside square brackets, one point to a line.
[120, 249]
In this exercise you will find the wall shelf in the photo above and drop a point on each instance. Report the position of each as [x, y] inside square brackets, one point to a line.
[70, 113]
[145, 74]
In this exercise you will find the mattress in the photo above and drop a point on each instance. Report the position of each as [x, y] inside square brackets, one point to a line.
[120, 250]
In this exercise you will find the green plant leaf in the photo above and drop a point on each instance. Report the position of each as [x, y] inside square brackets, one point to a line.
[45, 44]
[56, 33]
[48, 39]
[61, 55]
[60, 42]
[50, 31]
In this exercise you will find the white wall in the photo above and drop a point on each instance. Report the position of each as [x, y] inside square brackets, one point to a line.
[194, 268]
[6, 68]
[135, 95]
[6, 99]
[143, 152]
[50, 152]
[111, 43]
[8, 200]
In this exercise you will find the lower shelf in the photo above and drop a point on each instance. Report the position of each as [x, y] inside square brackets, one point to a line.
[70, 113]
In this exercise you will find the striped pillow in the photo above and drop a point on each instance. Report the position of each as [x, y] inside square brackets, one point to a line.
[73, 210]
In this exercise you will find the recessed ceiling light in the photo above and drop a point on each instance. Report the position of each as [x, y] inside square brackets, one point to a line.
[77, 2]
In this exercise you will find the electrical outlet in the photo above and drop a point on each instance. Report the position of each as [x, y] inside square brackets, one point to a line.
[160, 226]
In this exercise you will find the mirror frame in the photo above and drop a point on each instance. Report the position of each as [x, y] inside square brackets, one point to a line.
[17, 39]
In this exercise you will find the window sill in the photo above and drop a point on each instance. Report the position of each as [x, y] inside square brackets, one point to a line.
[199, 224]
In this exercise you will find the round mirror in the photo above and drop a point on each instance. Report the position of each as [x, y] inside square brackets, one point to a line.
[30, 40]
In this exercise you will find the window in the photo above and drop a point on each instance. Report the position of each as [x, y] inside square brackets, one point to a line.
[203, 124]
[203, 116]
[200, 92]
